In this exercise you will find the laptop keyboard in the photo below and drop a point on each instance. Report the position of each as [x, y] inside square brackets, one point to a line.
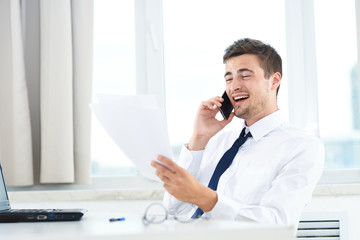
[32, 210]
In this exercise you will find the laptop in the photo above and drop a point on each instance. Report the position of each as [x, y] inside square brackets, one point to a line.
[33, 215]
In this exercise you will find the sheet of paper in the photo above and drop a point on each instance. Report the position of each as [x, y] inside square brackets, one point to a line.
[139, 130]
[129, 100]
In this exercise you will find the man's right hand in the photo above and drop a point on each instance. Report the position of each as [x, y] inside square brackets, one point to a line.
[206, 125]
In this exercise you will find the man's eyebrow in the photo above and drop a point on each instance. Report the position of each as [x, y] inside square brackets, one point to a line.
[239, 71]
[244, 70]
[227, 73]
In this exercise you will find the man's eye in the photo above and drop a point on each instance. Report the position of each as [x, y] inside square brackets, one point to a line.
[246, 76]
[228, 79]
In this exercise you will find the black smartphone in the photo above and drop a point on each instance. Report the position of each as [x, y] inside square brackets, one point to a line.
[226, 106]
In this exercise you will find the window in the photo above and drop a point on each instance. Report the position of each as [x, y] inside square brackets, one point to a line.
[323, 94]
[338, 82]
[114, 73]
[316, 40]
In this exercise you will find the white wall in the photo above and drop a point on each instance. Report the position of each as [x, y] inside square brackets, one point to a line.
[335, 201]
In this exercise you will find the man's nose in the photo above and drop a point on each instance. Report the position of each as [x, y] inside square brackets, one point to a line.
[235, 85]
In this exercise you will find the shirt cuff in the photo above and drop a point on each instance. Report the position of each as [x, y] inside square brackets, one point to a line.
[190, 160]
[222, 209]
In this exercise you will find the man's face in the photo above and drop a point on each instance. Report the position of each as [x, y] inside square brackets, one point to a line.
[252, 95]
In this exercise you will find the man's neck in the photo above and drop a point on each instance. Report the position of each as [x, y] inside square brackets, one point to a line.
[249, 122]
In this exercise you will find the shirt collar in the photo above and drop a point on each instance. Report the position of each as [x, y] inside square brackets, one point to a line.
[265, 125]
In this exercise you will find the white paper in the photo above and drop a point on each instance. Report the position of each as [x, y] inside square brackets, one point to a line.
[139, 129]
[129, 100]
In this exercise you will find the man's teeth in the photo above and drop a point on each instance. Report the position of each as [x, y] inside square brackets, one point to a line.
[240, 98]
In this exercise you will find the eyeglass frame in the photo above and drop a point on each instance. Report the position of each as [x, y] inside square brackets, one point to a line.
[147, 221]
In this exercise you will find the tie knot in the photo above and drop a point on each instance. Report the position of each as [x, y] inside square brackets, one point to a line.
[244, 134]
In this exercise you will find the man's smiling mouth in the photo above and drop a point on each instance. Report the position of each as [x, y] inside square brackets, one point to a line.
[240, 98]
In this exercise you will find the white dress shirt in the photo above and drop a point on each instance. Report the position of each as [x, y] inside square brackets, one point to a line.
[270, 180]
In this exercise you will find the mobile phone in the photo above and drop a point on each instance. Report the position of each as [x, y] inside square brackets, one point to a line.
[226, 106]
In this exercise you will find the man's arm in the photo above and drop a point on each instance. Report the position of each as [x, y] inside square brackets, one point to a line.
[290, 190]
[178, 181]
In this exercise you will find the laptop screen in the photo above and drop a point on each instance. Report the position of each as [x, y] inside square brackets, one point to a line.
[4, 200]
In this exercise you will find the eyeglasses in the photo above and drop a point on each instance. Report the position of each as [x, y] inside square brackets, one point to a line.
[156, 213]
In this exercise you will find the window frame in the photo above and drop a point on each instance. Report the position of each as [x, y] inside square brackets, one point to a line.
[150, 76]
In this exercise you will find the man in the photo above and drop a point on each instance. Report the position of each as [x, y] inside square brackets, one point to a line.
[273, 174]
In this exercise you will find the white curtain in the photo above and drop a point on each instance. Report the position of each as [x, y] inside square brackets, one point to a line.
[15, 132]
[50, 143]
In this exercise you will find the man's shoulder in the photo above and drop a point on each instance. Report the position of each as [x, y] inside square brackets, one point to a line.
[295, 135]
[294, 131]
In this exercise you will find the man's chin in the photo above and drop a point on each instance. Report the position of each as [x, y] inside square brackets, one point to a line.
[240, 115]
[243, 113]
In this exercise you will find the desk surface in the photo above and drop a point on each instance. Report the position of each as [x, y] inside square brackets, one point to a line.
[95, 225]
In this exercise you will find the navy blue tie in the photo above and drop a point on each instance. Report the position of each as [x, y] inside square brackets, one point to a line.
[223, 164]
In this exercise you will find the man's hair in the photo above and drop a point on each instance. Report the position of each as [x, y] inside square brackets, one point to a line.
[270, 60]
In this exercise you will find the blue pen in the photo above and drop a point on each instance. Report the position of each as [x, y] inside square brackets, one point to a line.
[117, 219]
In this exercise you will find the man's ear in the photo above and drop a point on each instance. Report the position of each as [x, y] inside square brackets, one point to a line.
[276, 81]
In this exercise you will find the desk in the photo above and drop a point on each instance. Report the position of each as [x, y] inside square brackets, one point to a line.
[95, 225]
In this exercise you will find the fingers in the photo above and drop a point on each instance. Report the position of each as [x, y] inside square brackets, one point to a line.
[213, 103]
[161, 171]
[160, 167]
[163, 178]
[165, 168]
[171, 165]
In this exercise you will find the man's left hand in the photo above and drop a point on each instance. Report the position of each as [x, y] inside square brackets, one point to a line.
[184, 186]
